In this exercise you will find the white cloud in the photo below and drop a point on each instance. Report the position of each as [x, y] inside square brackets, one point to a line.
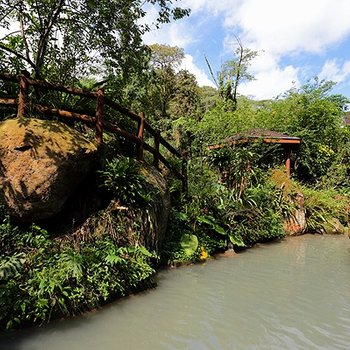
[334, 71]
[202, 78]
[179, 33]
[281, 28]
[271, 83]
[284, 27]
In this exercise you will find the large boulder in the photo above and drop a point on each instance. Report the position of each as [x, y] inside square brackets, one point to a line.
[41, 163]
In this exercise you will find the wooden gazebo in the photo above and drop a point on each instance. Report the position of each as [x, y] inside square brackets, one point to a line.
[267, 136]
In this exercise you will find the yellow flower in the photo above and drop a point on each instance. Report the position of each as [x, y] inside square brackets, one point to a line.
[204, 254]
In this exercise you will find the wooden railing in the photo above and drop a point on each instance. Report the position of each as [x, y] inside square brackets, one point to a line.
[23, 104]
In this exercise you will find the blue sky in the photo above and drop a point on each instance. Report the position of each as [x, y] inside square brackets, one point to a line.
[297, 40]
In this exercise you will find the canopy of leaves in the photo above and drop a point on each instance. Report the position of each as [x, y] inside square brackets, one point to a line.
[71, 36]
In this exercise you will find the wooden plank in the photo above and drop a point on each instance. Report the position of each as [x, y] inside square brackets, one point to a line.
[167, 145]
[8, 102]
[247, 140]
[283, 141]
[156, 146]
[140, 135]
[163, 160]
[67, 89]
[65, 114]
[99, 116]
[114, 128]
[147, 126]
[23, 95]
[9, 77]
[288, 155]
[170, 167]
[116, 106]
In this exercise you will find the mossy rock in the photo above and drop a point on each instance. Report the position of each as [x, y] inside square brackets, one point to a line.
[334, 226]
[42, 162]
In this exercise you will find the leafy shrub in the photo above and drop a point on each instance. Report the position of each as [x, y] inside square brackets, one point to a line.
[218, 215]
[123, 179]
[323, 206]
[41, 278]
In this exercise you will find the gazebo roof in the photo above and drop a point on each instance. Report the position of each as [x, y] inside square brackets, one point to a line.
[255, 135]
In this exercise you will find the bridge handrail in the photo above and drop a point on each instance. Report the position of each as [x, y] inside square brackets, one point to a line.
[22, 103]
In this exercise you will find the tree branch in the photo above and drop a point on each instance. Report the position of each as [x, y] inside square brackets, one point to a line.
[43, 41]
[23, 34]
[9, 11]
[211, 71]
[17, 54]
[9, 34]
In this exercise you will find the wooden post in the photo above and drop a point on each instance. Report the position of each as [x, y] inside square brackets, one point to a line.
[184, 172]
[22, 95]
[156, 146]
[288, 154]
[140, 135]
[99, 116]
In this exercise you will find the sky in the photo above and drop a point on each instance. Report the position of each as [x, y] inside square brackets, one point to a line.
[296, 41]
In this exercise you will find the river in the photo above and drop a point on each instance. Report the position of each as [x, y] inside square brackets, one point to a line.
[292, 294]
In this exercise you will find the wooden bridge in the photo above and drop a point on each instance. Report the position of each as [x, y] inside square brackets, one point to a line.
[23, 104]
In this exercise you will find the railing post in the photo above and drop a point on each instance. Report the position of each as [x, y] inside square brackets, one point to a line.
[156, 147]
[140, 135]
[288, 155]
[99, 116]
[23, 95]
[184, 172]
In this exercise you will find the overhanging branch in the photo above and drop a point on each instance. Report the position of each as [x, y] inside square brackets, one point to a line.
[17, 54]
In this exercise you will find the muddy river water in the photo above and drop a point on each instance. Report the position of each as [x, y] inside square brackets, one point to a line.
[293, 294]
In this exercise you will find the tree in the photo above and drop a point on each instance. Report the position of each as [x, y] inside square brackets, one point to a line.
[312, 113]
[185, 101]
[164, 61]
[235, 71]
[76, 34]
[208, 98]
[184, 108]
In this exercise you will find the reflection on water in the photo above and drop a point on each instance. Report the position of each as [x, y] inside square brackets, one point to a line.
[293, 294]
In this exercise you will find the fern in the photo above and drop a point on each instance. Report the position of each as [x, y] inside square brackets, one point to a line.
[11, 265]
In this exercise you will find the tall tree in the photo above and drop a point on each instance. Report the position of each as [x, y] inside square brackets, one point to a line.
[73, 34]
[184, 108]
[165, 60]
[234, 72]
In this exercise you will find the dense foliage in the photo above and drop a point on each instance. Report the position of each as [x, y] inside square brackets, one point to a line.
[41, 278]
[237, 195]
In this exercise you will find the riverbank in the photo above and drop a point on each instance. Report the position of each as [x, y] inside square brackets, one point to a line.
[274, 296]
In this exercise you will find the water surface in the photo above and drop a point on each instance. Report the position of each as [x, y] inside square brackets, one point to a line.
[294, 294]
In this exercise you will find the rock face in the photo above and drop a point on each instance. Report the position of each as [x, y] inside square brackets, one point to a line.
[41, 162]
[153, 237]
[295, 225]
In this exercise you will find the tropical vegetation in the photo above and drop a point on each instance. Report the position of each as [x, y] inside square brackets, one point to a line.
[237, 196]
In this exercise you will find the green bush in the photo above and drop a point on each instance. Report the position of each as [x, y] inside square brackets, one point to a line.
[123, 179]
[41, 278]
[323, 206]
